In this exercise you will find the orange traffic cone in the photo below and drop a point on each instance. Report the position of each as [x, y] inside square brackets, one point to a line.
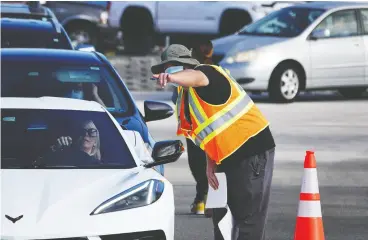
[309, 225]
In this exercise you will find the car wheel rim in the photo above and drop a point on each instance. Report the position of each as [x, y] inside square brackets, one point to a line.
[289, 84]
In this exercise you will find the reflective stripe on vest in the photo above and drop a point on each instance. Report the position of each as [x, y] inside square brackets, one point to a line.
[199, 114]
[178, 102]
[239, 107]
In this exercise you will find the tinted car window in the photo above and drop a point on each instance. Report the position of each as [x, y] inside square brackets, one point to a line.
[88, 82]
[30, 136]
[33, 39]
[287, 22]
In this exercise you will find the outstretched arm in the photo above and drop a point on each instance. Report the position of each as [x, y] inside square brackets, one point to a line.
[185, 78]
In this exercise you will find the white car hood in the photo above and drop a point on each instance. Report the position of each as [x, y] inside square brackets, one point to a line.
[236, 43]
[61, 197]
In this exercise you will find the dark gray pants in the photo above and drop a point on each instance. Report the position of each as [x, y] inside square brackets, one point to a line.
[249, 185]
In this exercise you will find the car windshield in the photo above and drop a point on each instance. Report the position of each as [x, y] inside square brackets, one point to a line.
[287, 22]
[39, 138]
[15, 38]
[61, 79]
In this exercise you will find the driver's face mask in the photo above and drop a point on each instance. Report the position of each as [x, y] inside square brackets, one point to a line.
[174, 69]
[76, 94]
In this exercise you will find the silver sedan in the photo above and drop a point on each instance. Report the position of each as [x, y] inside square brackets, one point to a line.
[312, 46]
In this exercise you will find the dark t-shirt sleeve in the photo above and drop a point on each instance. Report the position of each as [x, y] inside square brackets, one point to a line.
[218, 89]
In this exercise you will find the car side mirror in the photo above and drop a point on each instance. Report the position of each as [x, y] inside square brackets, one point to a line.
[156, 111]
[166, 152]
[85, 47]
[320, 33]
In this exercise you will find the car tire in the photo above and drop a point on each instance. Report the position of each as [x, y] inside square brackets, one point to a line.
[232, 21]
[137, 37]
[355, 92]
[285, 83]
[137, 43]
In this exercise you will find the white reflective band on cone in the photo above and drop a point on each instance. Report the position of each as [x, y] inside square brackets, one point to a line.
[310, 181]
[309, 209]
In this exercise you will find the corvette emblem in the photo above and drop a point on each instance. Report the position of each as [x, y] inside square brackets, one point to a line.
[14, 219]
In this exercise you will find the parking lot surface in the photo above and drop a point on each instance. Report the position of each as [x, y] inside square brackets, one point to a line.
[336, 129]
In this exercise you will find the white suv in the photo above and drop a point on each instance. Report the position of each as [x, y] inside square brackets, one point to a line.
[312, 46]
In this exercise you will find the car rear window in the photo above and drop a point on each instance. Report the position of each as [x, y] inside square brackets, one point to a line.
[29, 139]
[33, 39]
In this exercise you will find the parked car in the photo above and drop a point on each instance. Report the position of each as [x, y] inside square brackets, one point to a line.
[86, 22]
[312, 46]
[22, 33]
[77, 74]
[73, 192]
[28, 26]
[26, 10]
[143, 22]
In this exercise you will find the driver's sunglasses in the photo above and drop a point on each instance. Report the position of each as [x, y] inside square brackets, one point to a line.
[92, 132]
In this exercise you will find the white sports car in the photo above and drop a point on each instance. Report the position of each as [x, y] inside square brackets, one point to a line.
[69, 171]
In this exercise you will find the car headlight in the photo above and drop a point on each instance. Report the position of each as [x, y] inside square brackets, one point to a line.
[140, 195]
[247, 56]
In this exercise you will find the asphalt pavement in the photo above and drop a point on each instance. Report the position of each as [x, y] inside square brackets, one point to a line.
[335, 128]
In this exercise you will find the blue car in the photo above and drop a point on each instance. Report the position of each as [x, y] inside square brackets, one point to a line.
[77, 74]
[25, 33]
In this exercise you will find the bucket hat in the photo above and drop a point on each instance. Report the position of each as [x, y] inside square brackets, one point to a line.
[175, 53]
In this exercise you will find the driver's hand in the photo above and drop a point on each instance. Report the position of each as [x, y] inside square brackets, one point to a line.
[62, 142]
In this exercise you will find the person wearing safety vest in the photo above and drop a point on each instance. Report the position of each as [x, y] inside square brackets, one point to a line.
[216, 114]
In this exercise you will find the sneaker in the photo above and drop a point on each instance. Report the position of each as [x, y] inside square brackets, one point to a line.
[197, 207]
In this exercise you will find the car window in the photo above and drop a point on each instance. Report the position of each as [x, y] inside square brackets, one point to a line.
[31, 39]
[88, 82]
[97, 3]
[364, 14]
[287, 22]
[30, 137]
[339, 24]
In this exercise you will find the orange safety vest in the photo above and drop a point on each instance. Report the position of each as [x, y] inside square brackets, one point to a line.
[219, 130]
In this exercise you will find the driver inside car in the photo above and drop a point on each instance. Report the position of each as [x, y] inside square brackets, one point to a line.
[88, 141]
[84, 91]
